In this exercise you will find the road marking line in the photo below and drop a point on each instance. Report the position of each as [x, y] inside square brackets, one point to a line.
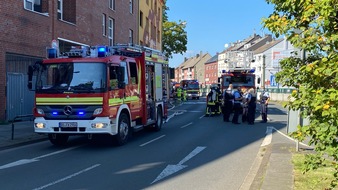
[68, 177]
[152, 140]
[186, 125]
[27, 161]
[171, 169]
[268, 136]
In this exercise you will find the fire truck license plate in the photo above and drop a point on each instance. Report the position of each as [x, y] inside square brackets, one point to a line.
[68, 124]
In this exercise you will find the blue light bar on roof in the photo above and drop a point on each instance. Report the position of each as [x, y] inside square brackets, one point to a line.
[101, 51]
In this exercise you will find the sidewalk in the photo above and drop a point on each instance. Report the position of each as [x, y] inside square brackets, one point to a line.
[272, 168]
[17, 134]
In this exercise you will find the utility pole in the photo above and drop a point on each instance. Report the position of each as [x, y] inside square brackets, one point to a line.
[263, 71]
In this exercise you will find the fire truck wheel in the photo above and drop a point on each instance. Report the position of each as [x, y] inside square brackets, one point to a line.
[159, 120]
[58, 139]
[123, 130]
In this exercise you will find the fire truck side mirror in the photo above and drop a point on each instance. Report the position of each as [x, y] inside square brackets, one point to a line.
[259, 80]
[30, 77]
[120, 77]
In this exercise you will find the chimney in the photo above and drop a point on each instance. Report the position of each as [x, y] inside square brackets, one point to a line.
[185, 59]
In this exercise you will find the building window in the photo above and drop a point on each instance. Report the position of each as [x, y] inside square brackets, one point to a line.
[67, 11]
[60, 9]
[112, 4]
[141, 19]
[131, 36]
[111, 31]
[40, 6]
[131, 6]
[104, 30]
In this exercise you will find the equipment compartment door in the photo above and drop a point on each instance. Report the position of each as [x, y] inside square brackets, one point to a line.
[158, 82]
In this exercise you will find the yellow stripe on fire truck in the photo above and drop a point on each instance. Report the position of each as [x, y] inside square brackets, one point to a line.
[67, 101]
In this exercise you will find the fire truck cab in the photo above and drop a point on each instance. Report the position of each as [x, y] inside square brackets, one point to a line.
[238, 78]
[99, 90]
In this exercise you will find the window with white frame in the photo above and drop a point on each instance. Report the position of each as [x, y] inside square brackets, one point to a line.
[131, 33]
[131, 6]
[111, 31]
[36, 6]
[60, 10]
[104, 30]
[66, 11]
[112, 4]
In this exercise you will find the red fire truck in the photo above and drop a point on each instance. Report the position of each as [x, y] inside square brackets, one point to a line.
[192, 87]
[238, 77]
[99, 90]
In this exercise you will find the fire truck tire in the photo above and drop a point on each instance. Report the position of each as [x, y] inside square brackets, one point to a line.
[58, 139]
[159, 120]
[124, 130]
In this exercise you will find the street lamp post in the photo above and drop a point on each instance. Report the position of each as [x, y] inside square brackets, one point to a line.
[263, 71]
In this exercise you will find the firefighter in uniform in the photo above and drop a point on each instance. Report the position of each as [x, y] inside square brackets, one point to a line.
[179, 93]
[218, 100]
[184, 94]
[211, 102]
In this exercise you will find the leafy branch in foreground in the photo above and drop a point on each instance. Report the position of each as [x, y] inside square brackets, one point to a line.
[313, 27]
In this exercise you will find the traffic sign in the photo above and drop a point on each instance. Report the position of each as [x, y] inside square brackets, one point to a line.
[273, 80]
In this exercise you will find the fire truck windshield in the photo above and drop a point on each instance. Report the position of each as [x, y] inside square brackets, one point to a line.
[192, 85]
[74, 77]
[239, 80]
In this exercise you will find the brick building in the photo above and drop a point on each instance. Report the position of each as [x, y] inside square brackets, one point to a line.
[28, 27]
[211, 70]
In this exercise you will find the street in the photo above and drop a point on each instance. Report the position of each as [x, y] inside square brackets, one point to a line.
[190, 152]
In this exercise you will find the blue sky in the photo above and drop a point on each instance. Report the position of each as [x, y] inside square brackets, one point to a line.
[212, 24]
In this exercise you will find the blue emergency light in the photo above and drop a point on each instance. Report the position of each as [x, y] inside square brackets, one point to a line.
[51, 53]
[101, 51]
[81, 113]
[252, 70]
[55, 113]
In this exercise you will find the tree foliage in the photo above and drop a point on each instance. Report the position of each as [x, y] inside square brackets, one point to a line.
[174, 39]
[311, 25]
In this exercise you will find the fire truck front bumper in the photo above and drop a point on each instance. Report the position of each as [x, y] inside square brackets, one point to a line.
[100, 125]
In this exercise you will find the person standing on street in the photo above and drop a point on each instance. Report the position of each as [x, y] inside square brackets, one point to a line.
[179, 93]
[251, 106]
[227, 103]
[211, 102]
[184, 94]
[265, 97]
[245, 105]
[218, 100]
[237, 105]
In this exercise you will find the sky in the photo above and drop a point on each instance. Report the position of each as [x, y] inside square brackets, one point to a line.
[210, 25]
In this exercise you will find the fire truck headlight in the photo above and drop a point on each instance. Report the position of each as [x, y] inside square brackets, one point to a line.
[40, 111]
[99, 125]
[98, 111]
[40, 125]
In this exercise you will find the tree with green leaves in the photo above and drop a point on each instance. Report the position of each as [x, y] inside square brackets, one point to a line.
[311, 25]
[174, 38]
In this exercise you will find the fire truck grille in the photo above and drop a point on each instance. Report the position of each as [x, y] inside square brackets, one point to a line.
[69, 112]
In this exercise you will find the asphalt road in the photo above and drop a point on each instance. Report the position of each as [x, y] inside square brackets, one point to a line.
[190, 152]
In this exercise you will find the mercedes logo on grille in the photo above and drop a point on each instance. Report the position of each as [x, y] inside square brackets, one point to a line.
[67, 110]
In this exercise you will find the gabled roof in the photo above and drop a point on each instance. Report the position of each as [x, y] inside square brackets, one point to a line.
[191, 62]
[213, 59]
[267, 46]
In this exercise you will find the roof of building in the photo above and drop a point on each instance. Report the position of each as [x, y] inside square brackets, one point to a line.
[193, 61]
[267, 46]
[213, 59]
